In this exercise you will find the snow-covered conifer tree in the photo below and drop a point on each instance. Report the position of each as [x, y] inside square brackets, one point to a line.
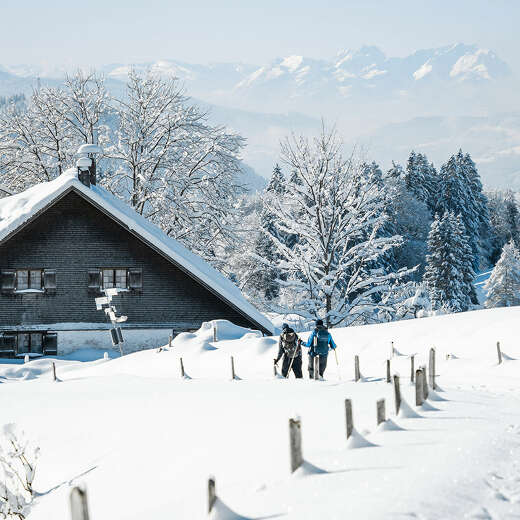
[503, 286]
[460, 192]
[448, 275]
[421, 179]
[411, 219]
[336, 211]
[265, 279]
[512, 218]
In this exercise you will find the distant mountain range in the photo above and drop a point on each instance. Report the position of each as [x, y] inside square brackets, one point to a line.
[435, 100]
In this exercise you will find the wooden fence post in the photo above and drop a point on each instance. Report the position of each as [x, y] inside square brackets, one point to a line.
[233, 375]
[214, 332]
[357, 375]
[295, 443]
[393, 350]
[397, 394]
[53, 371]
[78, 504]
[348, 416]
[425, 384]
[418, 388]
[316, 369]
[412, 366]
[170, 338]
[212, 493]
[182, 367]
[432, 368]
[499, 352]
[388, 377]
[381, 412]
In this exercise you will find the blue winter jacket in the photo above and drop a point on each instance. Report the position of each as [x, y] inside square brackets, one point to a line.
[310, 341]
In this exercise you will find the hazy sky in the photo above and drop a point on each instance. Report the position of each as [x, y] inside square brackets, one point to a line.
[96, 32]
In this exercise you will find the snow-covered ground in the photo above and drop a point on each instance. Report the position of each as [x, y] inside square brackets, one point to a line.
[144, 440]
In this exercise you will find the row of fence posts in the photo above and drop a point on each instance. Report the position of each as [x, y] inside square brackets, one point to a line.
[78, 495]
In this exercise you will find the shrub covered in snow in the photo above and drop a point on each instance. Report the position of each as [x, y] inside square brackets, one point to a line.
[18, 458]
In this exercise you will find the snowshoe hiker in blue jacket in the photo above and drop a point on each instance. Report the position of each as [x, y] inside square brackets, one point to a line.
[319, 343]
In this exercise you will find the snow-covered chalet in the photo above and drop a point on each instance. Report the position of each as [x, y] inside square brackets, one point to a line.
[64, 242]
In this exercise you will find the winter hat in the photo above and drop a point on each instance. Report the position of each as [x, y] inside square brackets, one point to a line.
[285, 326]
[319, 323]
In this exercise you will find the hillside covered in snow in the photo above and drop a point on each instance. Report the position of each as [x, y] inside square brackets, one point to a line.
[144, 440]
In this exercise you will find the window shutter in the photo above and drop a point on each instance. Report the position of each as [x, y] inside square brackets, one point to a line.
[8, 281]
[94, 280]
[50, 344]
[49, 280]
[135, 279]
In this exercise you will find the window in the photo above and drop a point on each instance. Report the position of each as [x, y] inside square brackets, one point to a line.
[28, 342]
[114, 278]
[118, 278]
[28, 279]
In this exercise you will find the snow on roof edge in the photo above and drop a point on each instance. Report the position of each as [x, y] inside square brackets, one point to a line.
[18, 209]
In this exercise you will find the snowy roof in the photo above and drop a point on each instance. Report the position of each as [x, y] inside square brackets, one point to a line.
[17, 209]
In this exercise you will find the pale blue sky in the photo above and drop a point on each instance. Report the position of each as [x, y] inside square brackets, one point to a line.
[97, 32]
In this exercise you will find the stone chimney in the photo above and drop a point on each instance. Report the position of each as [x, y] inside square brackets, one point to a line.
[86, 163]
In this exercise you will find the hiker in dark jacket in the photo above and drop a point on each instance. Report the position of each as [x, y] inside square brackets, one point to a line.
[289, 347]
[319, 343]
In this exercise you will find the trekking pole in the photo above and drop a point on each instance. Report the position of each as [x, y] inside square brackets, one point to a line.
[298, 346]
[290, 366]
[337, 363]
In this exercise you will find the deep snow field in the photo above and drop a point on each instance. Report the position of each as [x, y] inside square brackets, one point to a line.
[144, 441]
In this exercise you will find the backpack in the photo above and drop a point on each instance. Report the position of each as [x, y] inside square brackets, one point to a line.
[321, 342]
[289, 344]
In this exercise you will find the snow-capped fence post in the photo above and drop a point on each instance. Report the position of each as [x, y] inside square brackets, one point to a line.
[349, 418]
[78, 504]
[357, 375]
[397, 394]
[295, 440]
[182, 367]
[381, 411]
[432, 368]
[26, 358]
[233, 375]
[53, 371]
[425, 383]
[388, 377]
[316, 368]
[170, 338]
[214, 332]
[418, 388]
[412, 367]
[212, 493]
[393, 350]
[499, 352]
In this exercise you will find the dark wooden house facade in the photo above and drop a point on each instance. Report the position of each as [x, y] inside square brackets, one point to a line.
[63, 242]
